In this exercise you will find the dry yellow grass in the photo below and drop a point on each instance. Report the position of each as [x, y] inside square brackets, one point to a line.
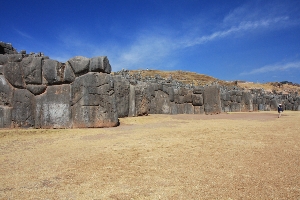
[226, 156]
[201, 79]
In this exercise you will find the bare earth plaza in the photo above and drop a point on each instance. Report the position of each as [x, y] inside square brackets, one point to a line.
[227, 156]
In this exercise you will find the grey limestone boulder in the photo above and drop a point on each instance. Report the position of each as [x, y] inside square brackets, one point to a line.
[5, 117]
[142, 99]
[57, 73]
[15, 57]
[93, 101]
[6, 92]
[235, 107]
[53, 108]
[212, 100]
[198, 90]
[100, 64]
[3, 59]
[121, 88]
[160, 104]
[80, 64]
[197, 99]
[32, 68]
[188, 108]
[23, 112]
[13, 72]
[36, 89]
[132, 108]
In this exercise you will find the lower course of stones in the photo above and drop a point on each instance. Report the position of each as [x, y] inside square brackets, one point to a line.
[39, 92]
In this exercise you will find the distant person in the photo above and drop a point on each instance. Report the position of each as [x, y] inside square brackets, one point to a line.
[280, 110]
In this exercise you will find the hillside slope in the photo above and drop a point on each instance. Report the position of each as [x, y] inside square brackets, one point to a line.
[201, 79]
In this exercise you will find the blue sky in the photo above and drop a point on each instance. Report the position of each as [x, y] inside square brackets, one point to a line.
[230, 40]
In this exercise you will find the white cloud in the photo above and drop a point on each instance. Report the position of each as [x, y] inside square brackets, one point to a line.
[23, 34]
[274, 67]
[243, 26]
[154, 48]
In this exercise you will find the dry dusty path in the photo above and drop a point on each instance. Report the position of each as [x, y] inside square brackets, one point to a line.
[227, 156]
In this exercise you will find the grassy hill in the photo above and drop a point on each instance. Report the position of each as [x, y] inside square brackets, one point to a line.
[201, 79]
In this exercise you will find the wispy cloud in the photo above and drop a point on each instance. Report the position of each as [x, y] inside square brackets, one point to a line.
[242, 27]
[23, 34]
[156, 47]
[274, 67]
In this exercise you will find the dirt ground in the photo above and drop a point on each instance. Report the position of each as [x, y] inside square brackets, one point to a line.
[228, 156]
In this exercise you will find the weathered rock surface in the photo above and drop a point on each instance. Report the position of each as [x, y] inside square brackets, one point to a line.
[100, 64]
[5, 117]
[80, 64]
[211, 98]
[13, 72]
[53, 107]
[23, 109]
[121, 88]
[6, 92]
[93, 101]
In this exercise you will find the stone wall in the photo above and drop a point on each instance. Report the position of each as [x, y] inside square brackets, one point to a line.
[39, 92]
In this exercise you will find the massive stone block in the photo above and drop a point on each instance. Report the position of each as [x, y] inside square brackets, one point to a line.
[57, 73]
[13, 72]
[197, 99]
[80, 64]
[6, 92]
[212, 100]
[246, 101]
[160, 104]
[142, 99]
[5, 117]
[121, 88]
[36, 89]
[235, 107]
[15, 57]
[132, 109]
[3, 59]
[188, 108]
[53, 108]
[23, 104]
[32, 68]
[100, 64]
[93, 101]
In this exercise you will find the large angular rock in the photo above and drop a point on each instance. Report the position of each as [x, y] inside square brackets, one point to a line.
[160, 104]
[32, 68]
[235, 107]
[36, 89]
[132, 108]
[80, 64]
[3, 59]
[5, 117]
[188, 108]
[246, 101]
[15, 57]
[100, 64]
[6, 92]
[93, 101]
[23, 112]
[197, 99]
[57, 73]
[121, 88]
[142, 99]
[53, 108]
[13, 72]
[1, 69]
[212, 100]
